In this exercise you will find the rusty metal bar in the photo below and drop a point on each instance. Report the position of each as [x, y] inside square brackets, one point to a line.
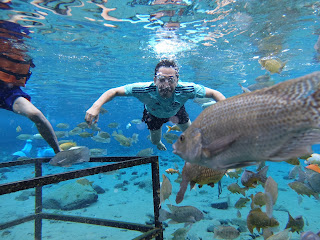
[17, 222]
[38, 203]
[55, 178]
[156, 195]
[39, 181]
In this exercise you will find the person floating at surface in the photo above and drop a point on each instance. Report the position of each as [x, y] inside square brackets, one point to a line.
[14, 73]
[164, 99]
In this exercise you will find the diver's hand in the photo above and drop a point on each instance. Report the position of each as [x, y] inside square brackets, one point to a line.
[92, 115]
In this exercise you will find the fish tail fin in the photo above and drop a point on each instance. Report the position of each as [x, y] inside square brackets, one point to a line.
[169, 128]
[269, 204]
[243, 191]
[263, 174]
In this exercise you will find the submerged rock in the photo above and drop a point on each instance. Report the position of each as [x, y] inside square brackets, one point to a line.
[70, 196]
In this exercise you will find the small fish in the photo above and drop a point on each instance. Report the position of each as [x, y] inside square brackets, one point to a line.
[182, 214]
[172, 170]
[235, 188]
[258, 219]
[94, 127]
[18, 129]
[62, 125]
[83, 125]
[259, 199]
[113, 125]
[86, 135]
[24, 137]
[100, 139]
[128, 126]
[61, 134]
[250, 179]
[67, 145]
[72, 156]
[165, 189]
[273, 65]
[170, 137]
[75, 131]
[295, 224]
[241, 202]
[192, 173]
[98, 152]
[303, 189]
[226, 232]
[234, 173]
[123, 140]
[314, 167]
[173, 128]
[181, 233]
[253, 127]
[104, 135]
[84, 182]
[145, 152]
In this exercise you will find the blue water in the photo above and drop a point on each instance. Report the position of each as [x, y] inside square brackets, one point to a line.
[79, 54]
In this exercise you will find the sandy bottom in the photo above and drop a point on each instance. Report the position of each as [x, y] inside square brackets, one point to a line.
[133, 203]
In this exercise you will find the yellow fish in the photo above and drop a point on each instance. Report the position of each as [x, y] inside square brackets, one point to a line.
[273, 65]
[173, 128]
[67, 145]
[171, 171]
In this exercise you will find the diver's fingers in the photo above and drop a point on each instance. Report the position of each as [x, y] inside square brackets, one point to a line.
[89, 118]
[96, 119]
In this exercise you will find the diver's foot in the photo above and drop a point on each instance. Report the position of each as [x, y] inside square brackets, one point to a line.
[161, 146]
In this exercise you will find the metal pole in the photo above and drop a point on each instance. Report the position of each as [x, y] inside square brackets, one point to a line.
[38, 203]
[156, 195]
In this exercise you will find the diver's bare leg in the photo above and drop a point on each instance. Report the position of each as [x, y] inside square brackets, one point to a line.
[184, 126]
[156, 139]
[25, 108]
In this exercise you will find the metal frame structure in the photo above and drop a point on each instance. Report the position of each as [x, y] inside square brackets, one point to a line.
[115, 163]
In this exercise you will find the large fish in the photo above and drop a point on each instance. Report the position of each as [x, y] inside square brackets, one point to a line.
[72, 156]
[275, 123]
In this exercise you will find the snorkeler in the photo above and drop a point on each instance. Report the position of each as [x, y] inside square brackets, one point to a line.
[163, 99]
[15, 71]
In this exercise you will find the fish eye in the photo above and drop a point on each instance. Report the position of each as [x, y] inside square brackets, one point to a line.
[182, 138]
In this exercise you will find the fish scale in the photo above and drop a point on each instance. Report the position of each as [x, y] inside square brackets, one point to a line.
[275, 123]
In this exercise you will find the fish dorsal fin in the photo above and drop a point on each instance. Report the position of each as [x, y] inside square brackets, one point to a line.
[172, 207]
[296, 88]
[218, 145]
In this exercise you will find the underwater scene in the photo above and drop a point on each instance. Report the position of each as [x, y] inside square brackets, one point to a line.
[232, 174]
